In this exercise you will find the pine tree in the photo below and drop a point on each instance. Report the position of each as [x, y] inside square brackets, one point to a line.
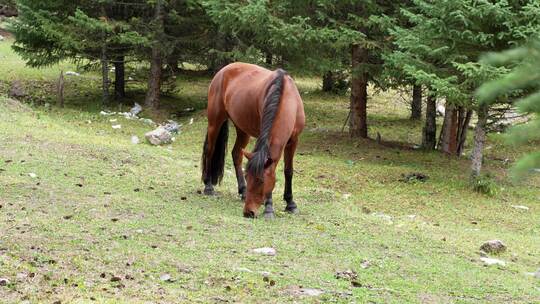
[524, 78]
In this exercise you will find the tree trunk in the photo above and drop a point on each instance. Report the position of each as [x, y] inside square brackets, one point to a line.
[105, 75]
[60, 101]
[359, 84]
[416, 104]
[328, 82]
[269, 58]
[479, 140]
[463, 125]
[154, 81]
[429, 134]
[448, 138]
[172, 63]
[119, 78]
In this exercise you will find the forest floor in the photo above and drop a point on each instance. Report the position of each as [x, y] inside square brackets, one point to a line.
[88, 216]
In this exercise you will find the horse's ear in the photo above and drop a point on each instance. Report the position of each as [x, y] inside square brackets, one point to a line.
[268, 163]
[247, 154]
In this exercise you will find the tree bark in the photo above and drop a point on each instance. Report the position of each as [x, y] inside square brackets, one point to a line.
[119, 78]
[328, 82]
[479, 140]
[429, 133]
[358, 117]
[448, 138]
[463, 125]
[105, 75]
[172, 63]
[416, 104]
[154, 80]
[60, 101]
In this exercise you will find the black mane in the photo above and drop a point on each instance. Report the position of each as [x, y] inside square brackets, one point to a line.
[261, 153]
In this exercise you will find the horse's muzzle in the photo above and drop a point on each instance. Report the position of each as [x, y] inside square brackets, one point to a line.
[249, 214]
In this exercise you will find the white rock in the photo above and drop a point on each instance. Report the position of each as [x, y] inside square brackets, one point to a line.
[243, 269]
[136, 109]
[165, 277]
[383, 216]
[265, 251]
[346, 196]
[520, 207]
[32, 175]
[117, 126]
[159, 136]
[491, 261]
[113, 120]
[265, 274]
[1, 38]
[135, 139]
[71, 73]
[537, 274]
[191, 121]
[311, 292]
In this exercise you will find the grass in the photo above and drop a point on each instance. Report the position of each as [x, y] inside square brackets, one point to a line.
[101, 207]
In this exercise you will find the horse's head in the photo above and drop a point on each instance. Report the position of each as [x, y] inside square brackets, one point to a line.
[260, 182]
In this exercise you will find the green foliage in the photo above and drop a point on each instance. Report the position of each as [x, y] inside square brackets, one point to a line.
[312, 35]
[523, 79]
[485, 184]
[440, 43]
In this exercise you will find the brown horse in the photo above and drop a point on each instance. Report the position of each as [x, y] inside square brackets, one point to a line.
[263, 104]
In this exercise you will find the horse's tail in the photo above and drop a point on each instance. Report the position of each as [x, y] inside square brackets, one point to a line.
[261, 153]
[215, 169]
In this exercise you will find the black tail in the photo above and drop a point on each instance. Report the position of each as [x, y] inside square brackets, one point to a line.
[214, 170]
[271, 104]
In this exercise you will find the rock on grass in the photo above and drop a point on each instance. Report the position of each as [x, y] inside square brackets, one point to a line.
[265, 251]
[348, 275]
[491, 261]
[159, 136]
[493, 246]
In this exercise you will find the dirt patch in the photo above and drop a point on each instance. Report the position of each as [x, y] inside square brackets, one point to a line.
[5, 33]
[14, 105]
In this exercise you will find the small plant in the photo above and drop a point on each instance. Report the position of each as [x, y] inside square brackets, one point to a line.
[485, 184]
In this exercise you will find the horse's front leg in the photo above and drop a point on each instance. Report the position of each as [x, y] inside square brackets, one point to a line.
[269, 207]
[288, 195]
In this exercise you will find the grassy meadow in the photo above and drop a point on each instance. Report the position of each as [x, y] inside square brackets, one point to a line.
[86, 216]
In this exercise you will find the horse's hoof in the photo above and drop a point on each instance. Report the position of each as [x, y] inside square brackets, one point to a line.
[269, 215]
[292, 210]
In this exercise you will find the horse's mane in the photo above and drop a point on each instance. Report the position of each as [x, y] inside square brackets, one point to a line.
[261, 153]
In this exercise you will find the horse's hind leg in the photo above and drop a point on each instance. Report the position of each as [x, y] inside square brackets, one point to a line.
[288, 160]
[242, 139]
[212, 164]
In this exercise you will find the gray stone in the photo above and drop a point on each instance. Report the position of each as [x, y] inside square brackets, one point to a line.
[159, 136]
[490, 261]
[265, 251]
[17, 89]
[136, 109]
[537, 274]
[493, 246]
[348, 275]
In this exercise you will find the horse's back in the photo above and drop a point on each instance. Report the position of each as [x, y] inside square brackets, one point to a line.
[240, 90]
